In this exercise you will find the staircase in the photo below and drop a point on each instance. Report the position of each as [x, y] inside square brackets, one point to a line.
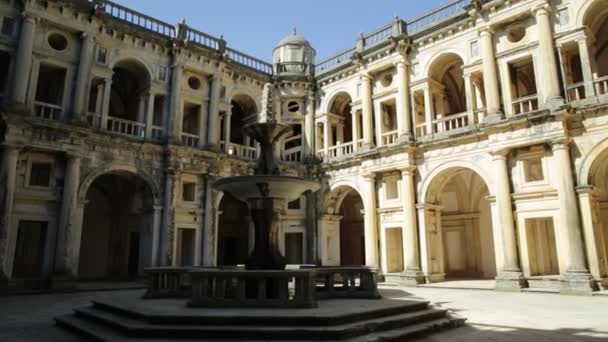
[168, 320]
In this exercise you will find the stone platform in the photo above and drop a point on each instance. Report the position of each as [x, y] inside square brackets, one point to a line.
[128, 318]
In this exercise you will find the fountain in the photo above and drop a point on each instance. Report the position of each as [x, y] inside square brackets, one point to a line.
[258, 303]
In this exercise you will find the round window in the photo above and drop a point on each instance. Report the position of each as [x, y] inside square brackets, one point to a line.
[194, 83]
[293, 107]
[516, 34]
[386, 80]
[58, 41]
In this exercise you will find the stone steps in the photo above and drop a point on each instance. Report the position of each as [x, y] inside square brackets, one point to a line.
[107, 323]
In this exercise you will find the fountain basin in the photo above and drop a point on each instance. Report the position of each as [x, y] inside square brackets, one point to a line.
[246, 188]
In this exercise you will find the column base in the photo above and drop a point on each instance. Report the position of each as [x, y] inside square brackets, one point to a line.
[578, 284]
[492, 118]
[405, 138]
[510, 281]
[412, 278]
[367, 148]
[434, 277]
[214, 148]
[556, 103]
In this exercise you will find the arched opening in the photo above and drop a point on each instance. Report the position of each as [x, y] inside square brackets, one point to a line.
[596, 19]
[352, 232]
[459, 226]
[234, 140]
[130, 83]
[116, 240]
[233, 243]
[599, 209]
[447, 89]
[338, 132]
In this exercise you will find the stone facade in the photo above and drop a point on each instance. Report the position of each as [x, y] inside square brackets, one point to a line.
[470, 142]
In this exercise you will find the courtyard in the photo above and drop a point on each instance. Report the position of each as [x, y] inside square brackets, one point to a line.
[491, 315]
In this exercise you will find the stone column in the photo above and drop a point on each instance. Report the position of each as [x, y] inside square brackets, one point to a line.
[366, 103]
[202, 127]
[227, 118]
[156, 231]
[166, 237]
[71, 182]
[587, 64]
[175, 103]
[150, 115]
[404, 115]
[548, 65]
[355, 128]
[326, 132]
[209, 226]
[470, 102]
[412, 275]
[429, 111]
[577, 278]
[490, 76]
[105, 107]
[23, 61]
[509, 278]
[214, 118]
[587, 203]
[8, 172]
[82, 79]
[370, 221]
[309, 126]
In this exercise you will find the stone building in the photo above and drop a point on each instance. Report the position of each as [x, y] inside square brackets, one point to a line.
[468, 143]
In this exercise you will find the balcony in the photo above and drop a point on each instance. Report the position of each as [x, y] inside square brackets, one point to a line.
[340, 151]
[601, 85]
[189, 139]
[576, 92]
[240, 151]
[450, 123]
[47, 111]
[293, 154]
[525, 105]
[128, 128]
[390, 138]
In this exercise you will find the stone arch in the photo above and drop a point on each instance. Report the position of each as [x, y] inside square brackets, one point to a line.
[131, 82]
[117, 238]
[438, 55]
[133, 60]
[245, 95]
[587, 10]
[95, 173]
[461, 164]
[458, 225]
[331, 98]
[336, 194]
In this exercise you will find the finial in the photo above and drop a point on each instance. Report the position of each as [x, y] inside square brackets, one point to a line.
[295, 32]
[184, 21]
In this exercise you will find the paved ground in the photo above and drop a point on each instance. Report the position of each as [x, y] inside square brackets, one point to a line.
[492, 316]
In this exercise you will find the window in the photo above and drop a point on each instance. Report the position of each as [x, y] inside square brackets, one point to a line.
[475, 49]
[40, 174]
[386, 80]
[188, 191]
[57, 41]
[8, 26]
[194, 83]
[162, 73]
[294, 205]
[533, 170]
[293, 106]
[390, 186]
[563, 17]
[102, 55]
[5, 62]
[516, 33]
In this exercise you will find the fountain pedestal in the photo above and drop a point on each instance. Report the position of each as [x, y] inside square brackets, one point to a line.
[265, 214]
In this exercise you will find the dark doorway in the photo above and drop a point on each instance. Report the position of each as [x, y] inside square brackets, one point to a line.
[29, 252]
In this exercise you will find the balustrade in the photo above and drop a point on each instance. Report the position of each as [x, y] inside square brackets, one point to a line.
[421, 130]
[576, 91]
[341, 150]
[601, 85]
[249, 61]
[126, 127]
[437, 16]
[347, 282]
[450, 122]
[525, 105]
[167, 282]
[190, 139]
[241, 151]
[389, 138]
[135, 18]
[293, 154]
[47, 111]
[156, 133]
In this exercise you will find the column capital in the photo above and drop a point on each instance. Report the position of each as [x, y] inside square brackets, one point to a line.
[369, 177]
[542, 9]
[500, 154]
[365, 76]
[408, 171]
[587, 190]
[29, 18]
[487, 31]
[560, 144]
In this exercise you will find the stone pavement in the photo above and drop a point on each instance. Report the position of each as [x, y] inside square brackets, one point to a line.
[492, 316]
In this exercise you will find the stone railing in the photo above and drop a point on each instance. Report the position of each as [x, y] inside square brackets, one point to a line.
[524, 105]
[341, 150]
[156, 132]
[227, 288]
[190, 139]
[576, 91]
[191, 35]
[334, 61]
[242, 151]
[389, 138]
[292, 68]
[421, 130]
[451, 122]
[437, 16]
[378, 36]
[293, 154]
[347, 282]
[133, 17]
[168, 282]
[601, 85]
[248, 61]
[126, 127]
[47, 111]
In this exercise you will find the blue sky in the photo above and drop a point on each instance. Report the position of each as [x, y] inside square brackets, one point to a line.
[255, 26]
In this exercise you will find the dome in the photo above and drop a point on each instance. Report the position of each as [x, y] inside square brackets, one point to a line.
[293, 39]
